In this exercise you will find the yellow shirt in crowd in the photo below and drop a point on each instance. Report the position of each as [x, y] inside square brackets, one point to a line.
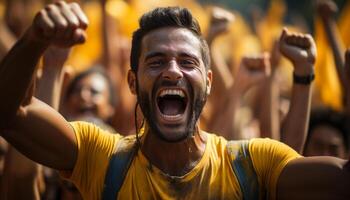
[212, 178]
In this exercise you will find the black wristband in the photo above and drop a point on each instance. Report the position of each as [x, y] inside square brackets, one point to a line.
[304, 80]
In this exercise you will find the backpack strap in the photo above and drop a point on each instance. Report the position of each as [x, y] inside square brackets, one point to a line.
[243, 168]
[118, 167]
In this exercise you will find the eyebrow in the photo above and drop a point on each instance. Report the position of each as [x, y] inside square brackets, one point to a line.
[193, 56]
[160, 54]
[153, 54]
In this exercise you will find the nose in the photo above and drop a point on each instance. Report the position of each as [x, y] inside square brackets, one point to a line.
[172, 71]
[85, 95]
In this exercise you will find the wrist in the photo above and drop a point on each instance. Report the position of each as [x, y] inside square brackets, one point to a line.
[303, 69]
[31, 37]
[303, 79]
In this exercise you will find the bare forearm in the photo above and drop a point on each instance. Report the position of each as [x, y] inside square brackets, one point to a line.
[225, 120]
[224, 79]
[336, 45]
[295, 125]
[16, 73]
[268, 113]
[49, 86]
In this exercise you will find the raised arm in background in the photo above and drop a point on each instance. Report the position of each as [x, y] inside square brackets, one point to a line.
[252, 71]
[307, 177]
[41, 133]
[327, 10]
[301, 51]
[220, 21]
[267, 100]
[219, 24]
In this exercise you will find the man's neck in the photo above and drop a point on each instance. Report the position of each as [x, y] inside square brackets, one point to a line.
[175, 159]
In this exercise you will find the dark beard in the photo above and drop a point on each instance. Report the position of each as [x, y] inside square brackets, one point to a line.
[145, 105]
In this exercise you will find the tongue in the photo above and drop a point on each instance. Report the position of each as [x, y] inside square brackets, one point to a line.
[171, 107]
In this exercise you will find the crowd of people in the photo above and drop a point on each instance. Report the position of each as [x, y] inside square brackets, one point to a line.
[118, 80]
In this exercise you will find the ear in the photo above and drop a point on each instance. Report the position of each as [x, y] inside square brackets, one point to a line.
[209, 81]
[132, 81]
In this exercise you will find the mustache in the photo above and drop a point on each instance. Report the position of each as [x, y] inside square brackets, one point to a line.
[169, 83]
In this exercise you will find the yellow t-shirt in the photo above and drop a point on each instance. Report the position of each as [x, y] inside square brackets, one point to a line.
[212, 178]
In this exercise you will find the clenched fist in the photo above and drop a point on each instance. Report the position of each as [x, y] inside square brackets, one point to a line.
[252, 70]
[220, 20]
[60, 24]
[300, 49]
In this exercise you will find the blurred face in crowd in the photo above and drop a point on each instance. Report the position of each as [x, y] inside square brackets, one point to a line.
[326, 141]
[90, 97]
[172, 82]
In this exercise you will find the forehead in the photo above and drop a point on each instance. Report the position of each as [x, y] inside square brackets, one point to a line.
[94, 80]
[171, 41]
[327, 134]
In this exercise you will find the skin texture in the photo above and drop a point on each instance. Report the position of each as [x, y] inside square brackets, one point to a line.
[60, 25]
[90, 98]
[326, 141]
[44, 136]
[300, 49]
[171, 58]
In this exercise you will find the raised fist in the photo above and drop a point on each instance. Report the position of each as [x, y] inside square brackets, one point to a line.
[59, 24]
[300, 49]
[252, 70]
[219, 22]
[326, 8]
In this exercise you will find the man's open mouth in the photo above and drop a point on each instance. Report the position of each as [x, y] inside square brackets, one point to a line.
[172, 104]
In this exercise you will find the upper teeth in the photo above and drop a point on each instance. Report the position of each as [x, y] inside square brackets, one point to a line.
[172, 92]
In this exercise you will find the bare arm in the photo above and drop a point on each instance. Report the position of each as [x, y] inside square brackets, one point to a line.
[326, 10]
[268, 100]
[21, 175]
[219, 23]
[315, 178]
[268, 114]
[50, 83]
[253, 70]
[300, 49]
[40, 132]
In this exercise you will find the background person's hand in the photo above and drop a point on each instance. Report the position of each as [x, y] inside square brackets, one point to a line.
[252, 70]
[326, 8]
[220, 20]
[300, 49]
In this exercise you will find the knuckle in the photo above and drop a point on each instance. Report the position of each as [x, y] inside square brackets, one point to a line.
[61, 3]
[74, 5]
[61, 26]
[40, 15]
[50, 7]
